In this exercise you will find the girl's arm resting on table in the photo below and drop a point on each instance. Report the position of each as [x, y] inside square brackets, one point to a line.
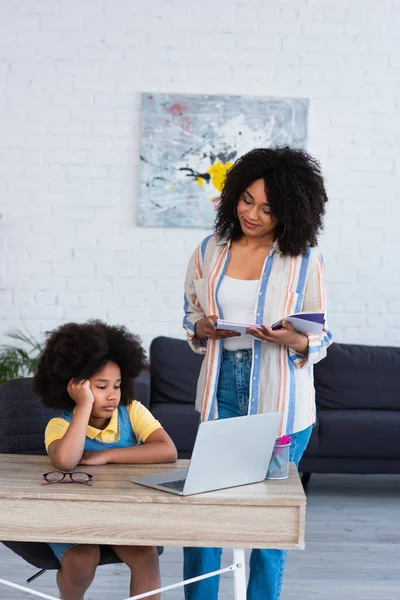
[66, 452]
[158, 448]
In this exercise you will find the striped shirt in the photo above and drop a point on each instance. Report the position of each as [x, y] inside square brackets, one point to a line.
[281, 379]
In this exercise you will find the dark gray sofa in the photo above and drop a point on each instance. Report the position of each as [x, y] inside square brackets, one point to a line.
[357, 396]
[358, 412]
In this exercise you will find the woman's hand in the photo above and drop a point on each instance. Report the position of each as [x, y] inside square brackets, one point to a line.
[286, 336]
[80, 392]
[205, 328]
[94, 458]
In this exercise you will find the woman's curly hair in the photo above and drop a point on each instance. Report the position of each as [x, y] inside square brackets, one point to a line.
[296, 194]
[78, 351]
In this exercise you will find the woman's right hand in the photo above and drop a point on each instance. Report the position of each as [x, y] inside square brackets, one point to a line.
[80, 392]
[205, 328]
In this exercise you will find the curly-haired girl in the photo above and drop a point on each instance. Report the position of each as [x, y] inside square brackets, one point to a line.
[260, 266]
[87, 371]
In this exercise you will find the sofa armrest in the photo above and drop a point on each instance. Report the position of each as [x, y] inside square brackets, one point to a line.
[143, 388]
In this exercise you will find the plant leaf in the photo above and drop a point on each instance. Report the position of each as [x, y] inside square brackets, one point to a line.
[16, 361]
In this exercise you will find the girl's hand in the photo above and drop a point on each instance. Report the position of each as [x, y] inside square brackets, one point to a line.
[205, 328]
[80, 392]
[286, 336]
[94, 458]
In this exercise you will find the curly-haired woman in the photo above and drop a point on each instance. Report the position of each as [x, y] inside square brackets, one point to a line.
[260, 265]
[87, 372]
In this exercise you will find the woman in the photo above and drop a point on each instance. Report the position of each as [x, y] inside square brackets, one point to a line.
[260, 265]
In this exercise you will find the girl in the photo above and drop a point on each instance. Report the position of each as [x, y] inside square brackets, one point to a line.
[260, 265]
[87, 372]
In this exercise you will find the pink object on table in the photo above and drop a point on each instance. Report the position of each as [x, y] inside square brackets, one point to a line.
[285, 439]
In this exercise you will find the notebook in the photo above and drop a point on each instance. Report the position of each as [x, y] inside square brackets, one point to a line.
[307, 322]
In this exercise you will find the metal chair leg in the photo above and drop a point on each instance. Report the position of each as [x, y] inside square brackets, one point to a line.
[36, 575]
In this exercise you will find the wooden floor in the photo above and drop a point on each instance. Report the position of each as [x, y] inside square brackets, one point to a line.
[352, 550]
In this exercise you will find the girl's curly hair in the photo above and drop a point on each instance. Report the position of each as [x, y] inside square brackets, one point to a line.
[78, 351]
[295, 189]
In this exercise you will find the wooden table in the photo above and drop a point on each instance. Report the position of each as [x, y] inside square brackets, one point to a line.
[270, 514]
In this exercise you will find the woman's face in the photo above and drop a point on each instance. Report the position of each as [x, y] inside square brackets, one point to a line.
[254, 212]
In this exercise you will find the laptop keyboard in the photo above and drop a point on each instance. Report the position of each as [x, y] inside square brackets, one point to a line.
[175, 485]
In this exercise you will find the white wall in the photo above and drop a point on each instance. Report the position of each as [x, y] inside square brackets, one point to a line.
[71, 75]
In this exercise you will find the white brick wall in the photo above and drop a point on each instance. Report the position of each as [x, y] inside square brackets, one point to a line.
[71, 74]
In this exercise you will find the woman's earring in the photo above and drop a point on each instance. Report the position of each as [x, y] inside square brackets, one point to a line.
[283, 232]
[235, 212]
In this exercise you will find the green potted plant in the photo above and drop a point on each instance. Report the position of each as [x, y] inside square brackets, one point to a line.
[20, 358]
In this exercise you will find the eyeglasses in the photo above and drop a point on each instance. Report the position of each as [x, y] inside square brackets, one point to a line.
[74, 477]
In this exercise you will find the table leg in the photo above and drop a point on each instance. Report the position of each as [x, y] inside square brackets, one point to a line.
[239, 574]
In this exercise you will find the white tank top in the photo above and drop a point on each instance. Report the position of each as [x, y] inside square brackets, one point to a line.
[237, 299]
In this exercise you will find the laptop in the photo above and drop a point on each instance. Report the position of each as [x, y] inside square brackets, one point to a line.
[226, 453]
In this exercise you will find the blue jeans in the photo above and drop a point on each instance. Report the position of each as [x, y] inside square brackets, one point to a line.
[266, 566]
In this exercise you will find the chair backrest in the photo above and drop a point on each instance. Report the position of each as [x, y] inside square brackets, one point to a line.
[23, 418]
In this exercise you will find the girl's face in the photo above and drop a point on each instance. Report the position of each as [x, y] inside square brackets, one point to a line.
[254, 211]
[106, 389]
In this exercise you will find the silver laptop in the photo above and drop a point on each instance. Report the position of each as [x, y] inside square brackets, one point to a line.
[226, 453]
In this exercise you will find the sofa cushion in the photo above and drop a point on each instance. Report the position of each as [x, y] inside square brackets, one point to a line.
[142, 388]
[23, 418]
[358, 377]
[181, 422]
[174, 371]
[356, 434]
[371, 466]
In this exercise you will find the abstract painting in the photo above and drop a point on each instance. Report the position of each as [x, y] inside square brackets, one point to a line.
[188, 142]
